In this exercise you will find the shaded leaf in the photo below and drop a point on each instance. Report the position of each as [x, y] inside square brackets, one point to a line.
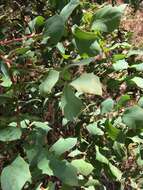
[107, 19]
[54, 28]
[68, 9]
[61, 169]
[133, 117]
[71, 104]
[49, 82]
[86, 42]
[107, 106]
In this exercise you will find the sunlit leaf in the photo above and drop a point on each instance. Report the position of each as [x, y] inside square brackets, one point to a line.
[15, 175]
[138, 81]
[82, 166]
[88, 83]
[63, 145]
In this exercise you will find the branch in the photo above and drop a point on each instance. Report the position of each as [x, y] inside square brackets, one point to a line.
[7, 42]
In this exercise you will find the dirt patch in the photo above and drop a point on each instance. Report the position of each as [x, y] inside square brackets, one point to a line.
[133, 22]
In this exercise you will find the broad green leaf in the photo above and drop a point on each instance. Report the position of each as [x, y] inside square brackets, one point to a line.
[15, 175]
[44, 164]
[75, 153]
[107, 19]
[93, 129]
[123, 100]
[68, 9]
[88, 83]
[58, 5]
[49, 82]
[4, 69]
[120, 65]
[138, 81]
[115, 171]
[86, 42]
[134, 52]
[82, 166]
[61, 169]
[138, 67]
[51, 186]
[100, 157]
[10, 134]
[63, 145]
[42, 125]
[36, 22]
[140, 102]
[113, 132]
[54, 28]
[82, 34]
[133, 117]
[71, 104]
[6, 82]
[107, 106]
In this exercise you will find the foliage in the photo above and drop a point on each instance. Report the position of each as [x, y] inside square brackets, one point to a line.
[71, 98]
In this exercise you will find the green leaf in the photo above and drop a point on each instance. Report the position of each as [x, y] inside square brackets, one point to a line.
[15, 176]
[86, 42]
[140, 102]
[74, 153]
[107, 19]
[68, 9]
[63, 145]
[82, 166]
[113, 132]
[123, 100]
[10, 134]
[82, 34]
[88, 83]
[71, 104]
[41, 125]
[93, 129]
[138, 67]
[36, 22]
[138, 81]
[61, 169]
[51, 186]
[107, 106]
[133, 117]
[54, 28]
[115, 171]
[6, 82]
[100, 157]
[49, 82]
[135, 52]
[120, 65]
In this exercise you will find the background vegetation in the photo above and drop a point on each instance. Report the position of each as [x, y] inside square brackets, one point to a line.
[71, 97]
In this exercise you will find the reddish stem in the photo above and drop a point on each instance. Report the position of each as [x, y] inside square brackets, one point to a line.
[6, 42]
